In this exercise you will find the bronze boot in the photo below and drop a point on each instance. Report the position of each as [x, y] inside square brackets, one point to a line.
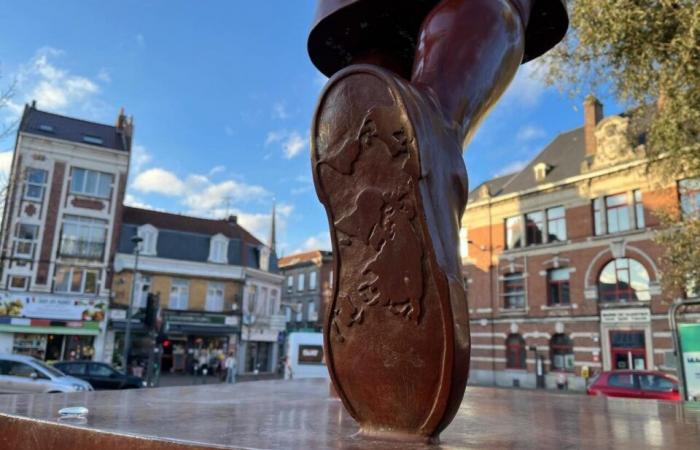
[387, 165]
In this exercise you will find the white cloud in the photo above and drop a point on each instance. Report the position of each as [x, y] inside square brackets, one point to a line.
[104, 76]
[530, 133]
[292, 142]
[293, 145]
[217, 169]
[130, 200]
[159, 181]
[279, 111]
[139, 158]
[53, 88]
[515, 166]
[206, 197]
[320, 241]
[5, 166]
[527, 87]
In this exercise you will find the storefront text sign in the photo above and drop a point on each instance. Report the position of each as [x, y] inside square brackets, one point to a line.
[625, 315]
[50, 307]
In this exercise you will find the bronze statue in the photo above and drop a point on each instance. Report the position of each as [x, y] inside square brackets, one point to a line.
[411, 80]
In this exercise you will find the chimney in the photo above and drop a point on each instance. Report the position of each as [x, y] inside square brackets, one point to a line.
[232, 220]
[592, 115]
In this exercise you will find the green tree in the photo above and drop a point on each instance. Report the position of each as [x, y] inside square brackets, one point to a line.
[645, 52]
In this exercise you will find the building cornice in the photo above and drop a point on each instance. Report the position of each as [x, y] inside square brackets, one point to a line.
[558, 184]
[67, 149]
[154, 264]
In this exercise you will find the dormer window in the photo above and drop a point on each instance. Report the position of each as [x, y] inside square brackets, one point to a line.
[92, 139]
[218, 249]
[149, 234]
[46, 128]
[541, 171]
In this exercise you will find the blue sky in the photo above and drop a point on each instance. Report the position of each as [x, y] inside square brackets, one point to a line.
[222, 94]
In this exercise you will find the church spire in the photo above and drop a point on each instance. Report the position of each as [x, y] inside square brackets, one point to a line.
[272, 239]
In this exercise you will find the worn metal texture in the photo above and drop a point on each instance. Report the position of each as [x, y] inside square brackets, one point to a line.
[301, 414]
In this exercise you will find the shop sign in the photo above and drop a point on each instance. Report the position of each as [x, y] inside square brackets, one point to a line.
[51, 307]
[690, 344]
[200, 318]
[625, 315]
[310, 354]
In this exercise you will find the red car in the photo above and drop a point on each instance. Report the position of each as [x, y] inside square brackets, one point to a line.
[635, 384]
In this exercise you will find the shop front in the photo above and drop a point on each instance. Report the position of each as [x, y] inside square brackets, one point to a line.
[50, 327]
[626, 338]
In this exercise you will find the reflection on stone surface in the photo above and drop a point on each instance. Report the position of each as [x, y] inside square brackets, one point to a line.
[301, 414]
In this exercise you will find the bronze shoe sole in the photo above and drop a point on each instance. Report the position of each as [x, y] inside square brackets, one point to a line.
[396, 333]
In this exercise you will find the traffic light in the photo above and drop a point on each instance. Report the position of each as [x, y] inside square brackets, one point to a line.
[152, 306]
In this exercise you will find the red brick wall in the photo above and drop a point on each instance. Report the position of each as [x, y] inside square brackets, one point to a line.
[45, 255]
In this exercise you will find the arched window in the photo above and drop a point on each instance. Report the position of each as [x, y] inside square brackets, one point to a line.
[515, 352]
[623, 280]
[561, 350]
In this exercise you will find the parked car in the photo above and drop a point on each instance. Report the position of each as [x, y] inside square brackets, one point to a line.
[99, 375]
[635, 384]
[21, 374]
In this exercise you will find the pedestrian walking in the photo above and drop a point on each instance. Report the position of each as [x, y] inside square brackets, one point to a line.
[230, 365]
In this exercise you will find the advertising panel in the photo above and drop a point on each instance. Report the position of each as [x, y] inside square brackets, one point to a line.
[51, 307]
[690, 344]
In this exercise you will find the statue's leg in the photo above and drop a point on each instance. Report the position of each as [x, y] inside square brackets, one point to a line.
[387, 164]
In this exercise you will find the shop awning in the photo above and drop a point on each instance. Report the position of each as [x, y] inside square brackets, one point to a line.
[7, 328]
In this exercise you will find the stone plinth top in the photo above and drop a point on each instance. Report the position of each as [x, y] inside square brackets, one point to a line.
[301, 414]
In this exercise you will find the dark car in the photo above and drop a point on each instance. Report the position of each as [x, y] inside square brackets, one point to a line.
[635, 384]
[99, 375]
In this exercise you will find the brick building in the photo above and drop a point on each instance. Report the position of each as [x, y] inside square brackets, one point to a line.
[307, 289]
[217, 284]
[559, 261]
[60, 222]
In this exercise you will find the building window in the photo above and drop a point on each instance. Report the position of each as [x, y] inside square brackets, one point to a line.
[613, 214]
[92, 139]
[143, 287]
[312, 281]
[273, 308]
[689, 191]
[561, 349]
[179, 294]
[215, 297]
[35, 184]
[300, 282]
[288, 313]
[290, 283]
[18, 283]
[250, 302]
[149, 234]
[46, 128]
[514, 291]
[463, 243]
[556, 224]
[218, 249]
[558, 287]
[638, 209]
[617, 213]
[516, 356]
[76, 280]
[312, 314]
[83, 237]
[534, 228]
[514, 232]
[26, 240]
[623, 280]
[300, 312]
[91, 183]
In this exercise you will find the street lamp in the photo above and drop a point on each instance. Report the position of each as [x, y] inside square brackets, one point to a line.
[127, 335]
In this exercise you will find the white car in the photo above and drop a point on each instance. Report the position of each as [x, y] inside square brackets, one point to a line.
[21, 374]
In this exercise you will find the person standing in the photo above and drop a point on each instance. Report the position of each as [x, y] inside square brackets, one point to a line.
[230, 365]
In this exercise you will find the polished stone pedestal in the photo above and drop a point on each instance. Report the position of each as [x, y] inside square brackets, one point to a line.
[301, 414]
